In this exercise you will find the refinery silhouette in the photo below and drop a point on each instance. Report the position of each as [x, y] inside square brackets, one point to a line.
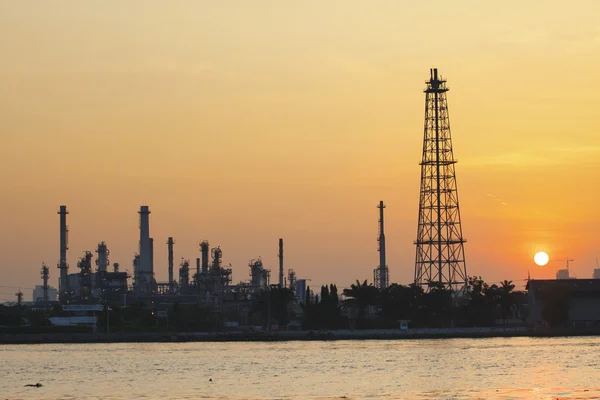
[439, 245]
[205, 297]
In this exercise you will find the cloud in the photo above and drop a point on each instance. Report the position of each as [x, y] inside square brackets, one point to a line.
[542, 157]
[497, 199]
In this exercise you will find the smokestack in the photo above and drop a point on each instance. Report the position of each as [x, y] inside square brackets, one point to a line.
[281, 283]
[116, 267]
[145, 267]
[63, 284]
[204, 250]
[170, 243]
[197, 267]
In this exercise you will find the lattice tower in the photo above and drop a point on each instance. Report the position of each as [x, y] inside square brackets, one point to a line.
[440, 255]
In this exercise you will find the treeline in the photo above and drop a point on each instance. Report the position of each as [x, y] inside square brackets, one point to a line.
[361, 306]
[367, 307]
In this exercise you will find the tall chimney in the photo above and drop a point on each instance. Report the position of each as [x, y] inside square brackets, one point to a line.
[170, 243]
[382, 262]
[63, 284]
[145, 267]
[197, 267]
[281, 284]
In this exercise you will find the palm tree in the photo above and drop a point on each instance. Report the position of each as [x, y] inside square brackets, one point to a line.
[506, 298]
[363, 294]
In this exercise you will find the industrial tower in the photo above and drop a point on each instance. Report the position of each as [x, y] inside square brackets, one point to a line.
[440, 257]
[280, 255]
[45, 277]
[63, 283]
[381, 273]
[170, 243]
[144, 275]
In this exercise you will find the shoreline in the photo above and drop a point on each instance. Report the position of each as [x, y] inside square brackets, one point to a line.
[177, 337]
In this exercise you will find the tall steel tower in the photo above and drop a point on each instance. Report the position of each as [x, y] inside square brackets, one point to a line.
[63, 283]
[381, 273]
[440, 245]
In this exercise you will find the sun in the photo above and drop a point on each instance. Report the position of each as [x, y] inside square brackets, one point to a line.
[541, 258]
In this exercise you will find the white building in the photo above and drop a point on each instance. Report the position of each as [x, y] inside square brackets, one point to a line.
[38, 293]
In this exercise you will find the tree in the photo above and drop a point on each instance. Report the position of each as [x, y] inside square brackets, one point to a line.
[438, 304]
[362, 296]
[506, 299]
[324, 312]
[279, 299]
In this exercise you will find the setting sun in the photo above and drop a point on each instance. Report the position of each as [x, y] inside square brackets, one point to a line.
[541, 259]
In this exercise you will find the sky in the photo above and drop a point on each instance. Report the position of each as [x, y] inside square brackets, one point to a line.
[242, 122]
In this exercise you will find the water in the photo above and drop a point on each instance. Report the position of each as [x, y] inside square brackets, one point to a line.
[515, 368]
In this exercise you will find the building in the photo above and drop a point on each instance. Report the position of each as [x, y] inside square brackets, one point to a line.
[562, 274]
[38, 293]
[564, 302]
[300, 291]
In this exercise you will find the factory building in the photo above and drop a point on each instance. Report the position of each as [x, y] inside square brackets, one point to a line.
[564, 302]
[38, 294]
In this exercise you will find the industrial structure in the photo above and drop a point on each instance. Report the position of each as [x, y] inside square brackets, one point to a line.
[63, 283]
[381, 273]
[280, 256]
[144, 273]
[565, 273]
[45, 287]
[209, 285]
[440, 256]
[576, 302]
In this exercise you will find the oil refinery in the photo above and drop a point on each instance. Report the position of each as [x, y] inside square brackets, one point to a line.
[209, 284]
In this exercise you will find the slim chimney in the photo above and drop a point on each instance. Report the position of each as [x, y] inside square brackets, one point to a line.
[145, 266]
[63, 284]
[281, 283]
[170, 243]
[383, 271]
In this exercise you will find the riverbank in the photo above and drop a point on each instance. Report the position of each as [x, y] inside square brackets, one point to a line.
[291, 335]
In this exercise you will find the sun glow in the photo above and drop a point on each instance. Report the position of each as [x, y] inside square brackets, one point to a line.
[541, 258]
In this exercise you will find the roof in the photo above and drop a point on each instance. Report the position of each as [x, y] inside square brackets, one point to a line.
[574, 285]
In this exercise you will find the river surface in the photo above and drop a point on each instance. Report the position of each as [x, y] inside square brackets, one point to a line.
[501, 368]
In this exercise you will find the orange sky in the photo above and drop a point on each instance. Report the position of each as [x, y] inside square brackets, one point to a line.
[242, 122]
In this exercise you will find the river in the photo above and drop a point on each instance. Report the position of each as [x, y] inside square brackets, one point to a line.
[497, 368]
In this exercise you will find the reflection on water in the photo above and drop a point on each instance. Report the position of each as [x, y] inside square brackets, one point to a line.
[502, 368]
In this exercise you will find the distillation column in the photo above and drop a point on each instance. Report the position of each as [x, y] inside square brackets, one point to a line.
[45, 276]
[102, 261]
[63, 283]
[204, 249]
